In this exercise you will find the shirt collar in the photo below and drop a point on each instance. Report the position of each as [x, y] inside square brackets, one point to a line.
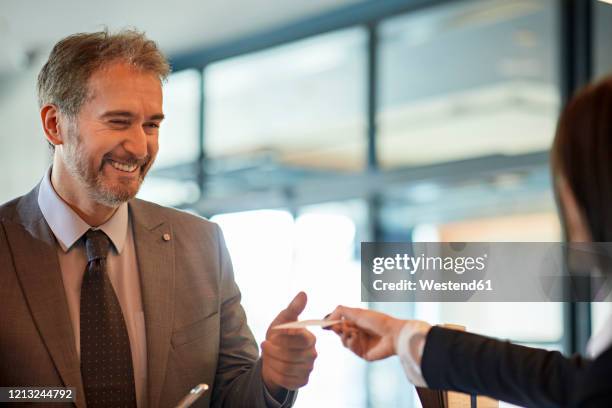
[66, 224]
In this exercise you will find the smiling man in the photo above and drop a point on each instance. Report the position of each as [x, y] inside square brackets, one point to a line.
[130, 303]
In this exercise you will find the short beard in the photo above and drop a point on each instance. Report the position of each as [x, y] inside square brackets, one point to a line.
[76, 161]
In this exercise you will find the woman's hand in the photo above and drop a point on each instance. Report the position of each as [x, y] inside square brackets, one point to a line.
[370, 335]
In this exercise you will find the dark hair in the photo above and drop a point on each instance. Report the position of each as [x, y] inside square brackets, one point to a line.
[582, 154]
[63, 79]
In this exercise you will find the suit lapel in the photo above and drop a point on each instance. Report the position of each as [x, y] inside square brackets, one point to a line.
[156, 266]
[35, 256]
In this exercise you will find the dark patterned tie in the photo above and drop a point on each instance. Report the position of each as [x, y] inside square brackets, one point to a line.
[106, 359]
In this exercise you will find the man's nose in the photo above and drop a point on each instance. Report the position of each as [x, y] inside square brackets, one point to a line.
[136, 143]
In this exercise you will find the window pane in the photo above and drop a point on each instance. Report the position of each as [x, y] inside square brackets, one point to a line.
[261, 246]
[275, 256]
[466, 80]
[167, 191]
[509, 207]
[178, 137]
[328, 268]
[601, 38]
[506, 209]
[294, 107]
[601, 318]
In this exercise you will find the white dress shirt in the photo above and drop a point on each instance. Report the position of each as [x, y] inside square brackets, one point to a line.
[122, 269]
[409, 346]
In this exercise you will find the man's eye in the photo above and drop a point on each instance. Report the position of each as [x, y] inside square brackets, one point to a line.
[152, 125]
[120, 122]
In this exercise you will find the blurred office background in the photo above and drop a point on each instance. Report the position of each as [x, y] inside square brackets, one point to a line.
[306, 127]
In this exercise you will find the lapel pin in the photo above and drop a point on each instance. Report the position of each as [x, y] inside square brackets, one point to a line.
[166, 237]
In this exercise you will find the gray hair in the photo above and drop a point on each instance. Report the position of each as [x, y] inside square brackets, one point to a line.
[63, 79]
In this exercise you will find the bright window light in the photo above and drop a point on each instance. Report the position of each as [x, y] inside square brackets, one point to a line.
[275, 257]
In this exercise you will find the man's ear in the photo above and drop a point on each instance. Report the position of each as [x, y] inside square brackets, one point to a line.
[50, 117]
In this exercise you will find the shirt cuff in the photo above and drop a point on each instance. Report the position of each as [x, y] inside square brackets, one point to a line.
[271, 402]
[409, 346]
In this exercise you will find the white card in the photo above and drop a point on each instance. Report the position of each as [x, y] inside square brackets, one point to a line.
[307, 323]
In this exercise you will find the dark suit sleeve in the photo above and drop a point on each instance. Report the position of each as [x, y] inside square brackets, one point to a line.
[238, 380]
[593, 388]
[465, 362]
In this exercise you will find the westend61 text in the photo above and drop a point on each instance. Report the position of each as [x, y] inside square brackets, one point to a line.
[432, 285]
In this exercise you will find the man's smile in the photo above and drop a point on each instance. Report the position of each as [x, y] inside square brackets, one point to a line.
[126, 168]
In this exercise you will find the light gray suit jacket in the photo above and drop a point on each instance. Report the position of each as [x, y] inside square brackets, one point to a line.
[195, 326]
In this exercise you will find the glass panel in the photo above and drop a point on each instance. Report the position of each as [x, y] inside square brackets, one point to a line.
[168, 192]
[295, 107]
[328, 268]
[261, 246]
[601, 317]
[468, 79]
[494, 211]
[179, 138]
[509, 207]
[601, 38]
[504, 320]
[275, 256]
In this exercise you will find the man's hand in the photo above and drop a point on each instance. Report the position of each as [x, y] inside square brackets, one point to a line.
[288, 355]
[369, 334]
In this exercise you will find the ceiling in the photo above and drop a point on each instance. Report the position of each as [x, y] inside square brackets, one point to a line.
[29, 29]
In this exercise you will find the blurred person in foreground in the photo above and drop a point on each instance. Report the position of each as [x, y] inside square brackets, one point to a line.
[447, 359]
[130, 303]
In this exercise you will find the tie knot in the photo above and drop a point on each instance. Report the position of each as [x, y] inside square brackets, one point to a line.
[96, 245]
